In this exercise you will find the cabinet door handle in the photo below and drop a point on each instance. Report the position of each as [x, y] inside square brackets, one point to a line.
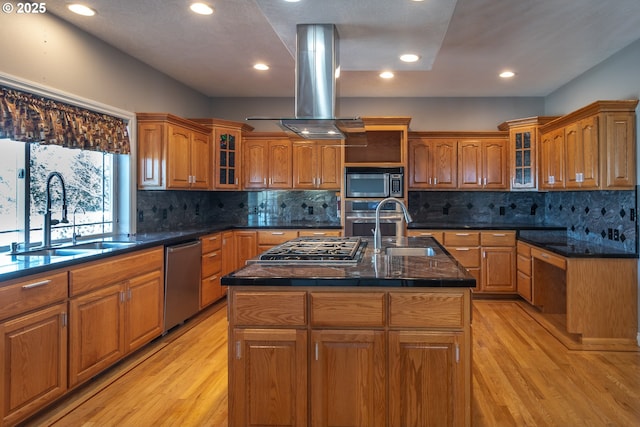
[499, 234]
[457, 353]
[238, 350]
[264, 181]
[213, 278]
[317, 351]
[129, 293]
[36, 284]
[212, 239]
[63, 320]
[544, 255]
[462, 249]
[277, 233]
[435, 181]
[213, 255]
[122, 297]
[462, 234]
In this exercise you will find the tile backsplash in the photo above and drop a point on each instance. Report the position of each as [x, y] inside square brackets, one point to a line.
[587, 215]
[174, 210]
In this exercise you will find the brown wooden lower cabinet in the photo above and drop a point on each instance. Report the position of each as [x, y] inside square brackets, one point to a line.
[377, 357]
[116, 306]
[33, 353]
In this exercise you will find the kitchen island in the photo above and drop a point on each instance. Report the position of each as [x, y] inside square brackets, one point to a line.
[384, 341]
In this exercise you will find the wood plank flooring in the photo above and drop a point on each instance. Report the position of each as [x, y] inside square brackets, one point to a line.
[522, 376]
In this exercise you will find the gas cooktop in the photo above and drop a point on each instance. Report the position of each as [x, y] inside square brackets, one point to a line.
[314, 250]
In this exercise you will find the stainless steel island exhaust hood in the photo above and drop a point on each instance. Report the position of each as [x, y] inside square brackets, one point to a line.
[317, 70]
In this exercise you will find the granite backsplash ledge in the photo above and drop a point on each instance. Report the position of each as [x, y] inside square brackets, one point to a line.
[174, 210]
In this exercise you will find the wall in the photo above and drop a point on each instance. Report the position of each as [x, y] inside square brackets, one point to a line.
[434, 114]
[47, 51]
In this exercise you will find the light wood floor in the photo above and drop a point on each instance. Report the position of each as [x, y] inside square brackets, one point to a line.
[522, 376]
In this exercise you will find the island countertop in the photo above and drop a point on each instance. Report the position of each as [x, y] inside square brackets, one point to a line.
[437, 270]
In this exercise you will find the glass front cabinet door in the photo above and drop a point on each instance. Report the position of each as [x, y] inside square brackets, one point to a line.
[227, 171]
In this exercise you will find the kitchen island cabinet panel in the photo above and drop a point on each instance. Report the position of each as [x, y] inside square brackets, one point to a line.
[357, 353]
[426, 310]
[269, 387]
[426, 379]
[33, 357]
[343, 309]
[348, 378]
[270, 308]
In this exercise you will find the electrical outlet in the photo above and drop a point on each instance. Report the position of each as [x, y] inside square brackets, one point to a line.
[197, 209]
[445, 211]
[164, 214]
[310, 209]
[610, 233]
[502, 210]
[616, 235]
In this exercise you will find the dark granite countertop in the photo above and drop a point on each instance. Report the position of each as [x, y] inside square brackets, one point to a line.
[480, 226]
[560, 243]
[12, 267]
[439, 270]
[552, 238]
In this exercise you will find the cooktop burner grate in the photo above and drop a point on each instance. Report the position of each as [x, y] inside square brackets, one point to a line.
[316, 249]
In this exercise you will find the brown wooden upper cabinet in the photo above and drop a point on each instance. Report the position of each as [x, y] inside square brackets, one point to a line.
[433, 163]
[173, 153]
[267, 161]
[590, 148]
[317, 165]
[524, 140]
[226, 156]
[482, 164]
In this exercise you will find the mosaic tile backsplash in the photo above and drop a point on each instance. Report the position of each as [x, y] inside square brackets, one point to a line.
[175, 210]
[587, 215]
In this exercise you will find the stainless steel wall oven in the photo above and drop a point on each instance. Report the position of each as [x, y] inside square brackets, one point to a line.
[360, 218]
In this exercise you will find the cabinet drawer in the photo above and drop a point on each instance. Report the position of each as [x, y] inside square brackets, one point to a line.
[320, 233]
[461, 238]
[347, 309]
[438, 235]
[550, 258]
[269, 308]
[498, 238]
[211, 242]
[211, 263]
[468, 257]
[116, 269]
[426, 310]
[275, 237]
[29, 293]
[523, 249]
[524, 264]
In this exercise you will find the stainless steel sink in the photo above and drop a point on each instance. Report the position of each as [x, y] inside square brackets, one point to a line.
[405, 251]
[67, 251]
[103, 245]
[77, 249]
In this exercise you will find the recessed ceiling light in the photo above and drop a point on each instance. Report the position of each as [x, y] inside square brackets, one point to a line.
[507, 74]
[201, 8]
[386, 75]
[292, 1]
[409, 57]
[81, 9]
[261, 67]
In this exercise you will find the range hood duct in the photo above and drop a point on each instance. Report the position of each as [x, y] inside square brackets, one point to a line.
[317, 69]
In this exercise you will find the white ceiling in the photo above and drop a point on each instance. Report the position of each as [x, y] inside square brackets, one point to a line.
[463, 44]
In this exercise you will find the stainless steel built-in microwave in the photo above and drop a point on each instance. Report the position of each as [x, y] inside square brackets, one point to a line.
[374, 182]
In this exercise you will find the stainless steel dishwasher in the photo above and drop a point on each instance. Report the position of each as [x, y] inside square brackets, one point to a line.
[181, 282]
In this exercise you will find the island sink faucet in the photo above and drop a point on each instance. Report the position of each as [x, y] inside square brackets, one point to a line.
[48, 222]
[377, 235]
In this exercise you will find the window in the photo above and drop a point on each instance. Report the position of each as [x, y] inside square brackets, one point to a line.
[90, 192]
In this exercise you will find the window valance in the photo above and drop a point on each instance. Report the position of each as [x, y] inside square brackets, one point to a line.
[30, 118]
